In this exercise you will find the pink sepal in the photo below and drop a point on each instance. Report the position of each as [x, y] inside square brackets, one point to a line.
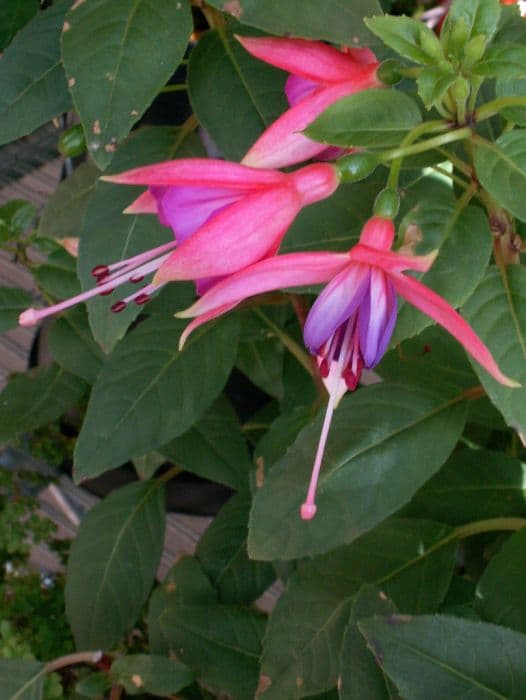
[144, 204]
[392, 262]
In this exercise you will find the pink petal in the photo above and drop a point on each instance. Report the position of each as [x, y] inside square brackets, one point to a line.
[440, 311]
[392, 262]
[283, 143]
[239, 235]
[204, 318]
[376, 318]
[309, 59]
[363, 55]
[297, 89]
[280, 272]
[144, 204]
[199, 171]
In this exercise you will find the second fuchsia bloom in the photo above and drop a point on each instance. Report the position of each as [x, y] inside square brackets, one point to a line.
[224, 216]
[350, 324]
[319, 76]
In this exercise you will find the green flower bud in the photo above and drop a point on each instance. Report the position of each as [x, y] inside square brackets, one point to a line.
[356, 166]
[387, 204]
[72, 142]
[390, 71]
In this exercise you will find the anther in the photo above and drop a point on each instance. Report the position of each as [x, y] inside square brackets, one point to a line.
[100, 271]
[142, 299]
[118, 307]
[106, 292]
[138, 278]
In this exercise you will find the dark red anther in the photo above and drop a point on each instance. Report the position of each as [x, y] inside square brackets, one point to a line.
[135, 280]
[106, 292]
[351, 378]
[324, 368]
[100, 271]
[118, 307]
[141, 299]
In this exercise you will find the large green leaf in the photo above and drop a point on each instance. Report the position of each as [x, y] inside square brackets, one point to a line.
[33, 86]
[411, 561]
[36, 398]
[361, 678]
[113, 562]
[214, 447]
[57, 277]
[221, 643]
[376, 118]
[108, 235]
[510, 87]
[118, 54]
[385, 442]
[478, 16]
[222, 552]
[341, 21]
[473, 485]
[464, 243]
[67, 206]
[21, 679]
[73, 347]
[143, 673]
[404, 35]
[508, 61]
[501, 595]
[497, 312]
[12, 302]
[234, 95]
[148, 392]
[440, 658]
[13, 16]
[501, 169]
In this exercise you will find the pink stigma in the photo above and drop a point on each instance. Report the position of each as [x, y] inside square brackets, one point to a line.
[308, 511]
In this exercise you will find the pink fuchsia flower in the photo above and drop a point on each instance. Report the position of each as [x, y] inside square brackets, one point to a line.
[319, 76]
[224, 216]
[350, 324]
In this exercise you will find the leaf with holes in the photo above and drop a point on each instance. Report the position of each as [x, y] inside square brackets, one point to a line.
[118, 54]
[109, 577]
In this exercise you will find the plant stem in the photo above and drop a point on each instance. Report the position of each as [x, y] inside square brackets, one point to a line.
[413, 135]
[491, 525]
[180, 87]
[430, 144]
[82, 657]
[495, 106]
[171, 473]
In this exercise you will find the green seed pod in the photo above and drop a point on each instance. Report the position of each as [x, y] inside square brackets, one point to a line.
[72, 142]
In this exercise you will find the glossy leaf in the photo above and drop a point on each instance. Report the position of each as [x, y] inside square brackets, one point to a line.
[497, 312]
[222, 552]
[411, 561]
[21, 679]
[109, 577]
[510, 87]
[501, 169]
[433, 82]
[385, 442]
[36, 398]
[403, 35]
[33, 86]
[261, 361]
[12, 302]
[479, 17]
[376, 118]
[15, 217]
[57, 276]
[501, 596]
[118, 54]
[234, 95]
[473, 485]
[149, 392]
[464, 243]
[143, 673]
[67, 206]
[214, 447]
[439, 658]
[108, 235]
[13, 16]
[508, 61]
[340, 22]
[73, 347]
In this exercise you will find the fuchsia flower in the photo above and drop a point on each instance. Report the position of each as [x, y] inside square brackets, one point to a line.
[320, 75]
[350, 324]
[224, 216]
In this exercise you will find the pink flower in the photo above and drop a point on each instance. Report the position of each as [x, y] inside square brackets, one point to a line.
[350, 324]
[224, 216]
[320, 75]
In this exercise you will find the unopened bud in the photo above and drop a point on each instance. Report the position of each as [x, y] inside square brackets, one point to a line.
[390, 71]
[387, 204]
[356, 166]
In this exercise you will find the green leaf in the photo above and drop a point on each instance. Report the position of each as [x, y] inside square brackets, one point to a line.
[281, 434]
[146, 465]
[464, 242]
[262, 362]
[108, 235]
[433, 82]
[385, 442]
[15, 217]
[507, 61]
[223, 554]
[411, 561]
[497, 312]
[13, 16]
[375, 118]
[94, 686]
[73, 347]
[340, 22]
[403, 35]
[221, 643]
[21, 679]
[234, 95]
[501, 169]
[12, 302]
[361, 679]
[185, 582]
[67, 206]
[479, 17]
[109, 577]
[214, 447]
[501, 596]
[141, 673]
[57, 276]
[36, 398]
[148, 392]
[118, 54]
[446, 657]
[473, 485]
[512, 87]
[33, 86]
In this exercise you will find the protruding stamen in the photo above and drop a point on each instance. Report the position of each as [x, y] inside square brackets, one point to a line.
[100, 271]
[118, 307]
[136, 279]
[142, 298]
[106, 292]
